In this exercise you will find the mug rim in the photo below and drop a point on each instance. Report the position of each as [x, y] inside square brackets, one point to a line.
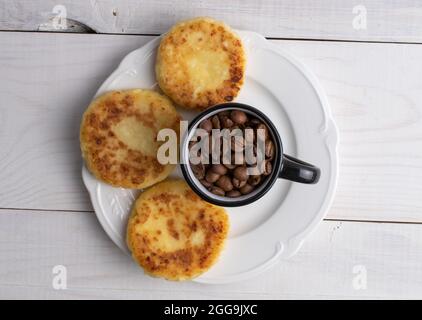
[226, 201]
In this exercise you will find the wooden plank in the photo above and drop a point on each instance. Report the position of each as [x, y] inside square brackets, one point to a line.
[47, 82]
[374, 91]
[32, 243]
[330, 19]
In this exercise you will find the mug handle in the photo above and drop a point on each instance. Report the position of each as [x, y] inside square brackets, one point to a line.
[299, 171]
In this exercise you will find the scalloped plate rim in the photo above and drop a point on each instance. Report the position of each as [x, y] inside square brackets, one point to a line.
[330, 131]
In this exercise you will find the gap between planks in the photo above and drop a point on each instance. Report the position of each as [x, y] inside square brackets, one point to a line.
[92, 211]
[268, 38]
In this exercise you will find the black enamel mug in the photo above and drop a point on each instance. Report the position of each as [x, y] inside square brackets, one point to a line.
[284, 166]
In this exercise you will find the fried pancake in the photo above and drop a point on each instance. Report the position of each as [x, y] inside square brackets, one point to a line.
[118, 137]
[200, 63]
[174, 234]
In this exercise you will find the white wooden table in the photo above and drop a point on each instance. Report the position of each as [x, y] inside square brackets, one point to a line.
[373, 78]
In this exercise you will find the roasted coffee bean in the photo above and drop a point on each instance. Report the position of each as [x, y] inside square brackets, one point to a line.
[268, 168]
[211, 176]
[249, 136]
[219, 169]
[215, 120]
[198, 170]
[228, 160]
[232, 179]
[254, 180]
[241, 173]
[191, 145]
[259, 151]
[209, 138]
[223, 114]
[233, 194]
[264, 132]
[254, 122]
[255, 170]
[238, 117]
[269, 149]
[215, 144]
[238, 183]
[205, 183]
[250, 155]
[225, 183]
[218, 191]
[226, 157]
[238, 159]
[237, 144]
[229, 166]
[206, 125]
[247, 188]
[226, 122]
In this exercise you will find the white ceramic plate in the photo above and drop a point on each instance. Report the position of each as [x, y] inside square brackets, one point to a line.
[274, 227]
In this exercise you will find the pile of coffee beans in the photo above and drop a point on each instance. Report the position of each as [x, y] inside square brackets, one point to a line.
[230, 178]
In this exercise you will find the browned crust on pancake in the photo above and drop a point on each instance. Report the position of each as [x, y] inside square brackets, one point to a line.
[216, 37]
[173, 205]
[109, 158]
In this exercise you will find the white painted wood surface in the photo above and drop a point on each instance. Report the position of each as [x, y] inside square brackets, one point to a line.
[397, 20]
[32, 243]
[375, 92]
[48, 80]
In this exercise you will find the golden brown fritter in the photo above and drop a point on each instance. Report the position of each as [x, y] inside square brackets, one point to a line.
[118, 137]
[173, 233]
[200, 63]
